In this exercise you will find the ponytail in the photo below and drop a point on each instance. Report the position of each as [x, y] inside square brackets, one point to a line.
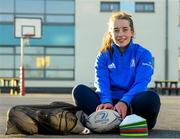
[107, 42]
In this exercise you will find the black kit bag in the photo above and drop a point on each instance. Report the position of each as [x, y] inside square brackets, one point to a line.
[55, 118]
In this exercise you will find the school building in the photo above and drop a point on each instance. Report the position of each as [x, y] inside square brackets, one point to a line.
[72, 32]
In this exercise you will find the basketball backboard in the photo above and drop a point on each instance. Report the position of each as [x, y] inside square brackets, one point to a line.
[28, 27]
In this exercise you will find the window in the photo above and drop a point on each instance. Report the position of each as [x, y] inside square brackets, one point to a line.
[144, 7]
[29, 6]
[42, 62]
[60, 7]
[6, 10]
[6, 6]
[6, 18]
[110, 6]
[9, 61]
[69, 51]
[60, 19]
[6, 50]
[6, 68]
[60, 11]
[46, 62]
[64, 62]
[50, 11]
[6, 73]
[59, 74]
[32, 50]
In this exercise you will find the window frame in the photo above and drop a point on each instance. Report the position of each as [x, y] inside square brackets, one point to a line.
[144, 10]
[43, 14]
[14, 70]
[110, 3]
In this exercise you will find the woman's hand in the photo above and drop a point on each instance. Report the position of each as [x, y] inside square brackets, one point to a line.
[104, 106]
[121, 108]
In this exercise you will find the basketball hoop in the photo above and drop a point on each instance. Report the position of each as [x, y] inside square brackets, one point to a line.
[25, 29]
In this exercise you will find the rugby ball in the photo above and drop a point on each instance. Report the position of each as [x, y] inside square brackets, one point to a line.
[103, 121]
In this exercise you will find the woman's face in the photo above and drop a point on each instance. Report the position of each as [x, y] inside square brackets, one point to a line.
[121, 32]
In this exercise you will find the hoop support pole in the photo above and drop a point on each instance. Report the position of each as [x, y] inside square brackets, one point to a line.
[22, 81]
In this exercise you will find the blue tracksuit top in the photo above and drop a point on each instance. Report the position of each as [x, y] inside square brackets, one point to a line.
[122, 76]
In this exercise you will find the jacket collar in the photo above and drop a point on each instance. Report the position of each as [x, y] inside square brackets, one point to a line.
[127, 50]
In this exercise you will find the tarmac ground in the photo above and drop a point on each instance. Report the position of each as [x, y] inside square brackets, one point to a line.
[168, 124]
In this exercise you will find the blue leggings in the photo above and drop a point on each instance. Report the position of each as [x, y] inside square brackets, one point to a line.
[146, 104]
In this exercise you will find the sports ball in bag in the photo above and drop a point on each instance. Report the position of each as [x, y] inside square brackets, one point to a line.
[103, 121]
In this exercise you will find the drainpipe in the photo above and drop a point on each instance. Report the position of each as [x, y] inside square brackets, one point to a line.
[166, 41]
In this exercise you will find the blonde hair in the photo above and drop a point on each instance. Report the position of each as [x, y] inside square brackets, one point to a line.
[107, 40]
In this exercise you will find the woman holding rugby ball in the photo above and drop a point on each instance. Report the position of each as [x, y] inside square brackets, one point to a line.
[123, 70]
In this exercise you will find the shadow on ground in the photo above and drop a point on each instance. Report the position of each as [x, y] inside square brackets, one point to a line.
[156, 133]
[161, 133]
